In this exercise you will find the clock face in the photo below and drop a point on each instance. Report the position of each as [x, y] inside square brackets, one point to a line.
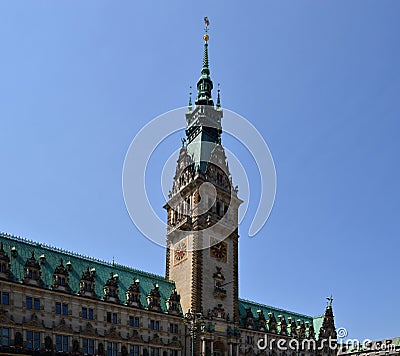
[219, 250]
[180, 251]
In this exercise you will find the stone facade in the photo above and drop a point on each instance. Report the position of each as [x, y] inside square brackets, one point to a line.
[87, 306]
[44, 319]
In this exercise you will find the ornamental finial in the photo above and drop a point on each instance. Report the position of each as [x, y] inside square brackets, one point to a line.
[204, 84]
[219, 97]
[207, 23]
[329, 300]
[190, 106]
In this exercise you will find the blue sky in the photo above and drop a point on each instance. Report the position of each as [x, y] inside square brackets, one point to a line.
[320, 80]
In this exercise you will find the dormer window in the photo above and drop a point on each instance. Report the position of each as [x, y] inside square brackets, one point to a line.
[32, 271]
[301, 329]
[14, 252]
[111, 289]
[293, 327]
[42, 259]
[154, 298]
[86, 284]
[4, 263]
[310, 329]
[133, 294]
[249, 319]
[173, 303]
[261, 321]
[272, 323]
[282, 324]
[61, 278]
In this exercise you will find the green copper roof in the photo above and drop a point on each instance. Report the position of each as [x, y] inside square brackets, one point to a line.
[205, 84]
[244, 304]
[266, 309]
[317, 321]
[79, 263]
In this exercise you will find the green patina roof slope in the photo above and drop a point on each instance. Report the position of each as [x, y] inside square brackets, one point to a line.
[317, 321]
[245, 304]
[126, 275]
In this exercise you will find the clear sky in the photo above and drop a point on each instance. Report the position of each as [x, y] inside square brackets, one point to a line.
[320, 80]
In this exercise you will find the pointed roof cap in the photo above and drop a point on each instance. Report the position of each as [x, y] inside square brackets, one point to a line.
[205, 84]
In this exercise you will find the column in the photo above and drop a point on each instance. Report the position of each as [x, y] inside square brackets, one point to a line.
[230, 349]
[212, 347]
[237, 349]
[203, 347]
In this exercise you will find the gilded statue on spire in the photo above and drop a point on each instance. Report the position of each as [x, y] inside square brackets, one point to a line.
[207, 22]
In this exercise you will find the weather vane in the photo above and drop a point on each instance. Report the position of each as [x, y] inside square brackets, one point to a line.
[207, 22]
[330, 300]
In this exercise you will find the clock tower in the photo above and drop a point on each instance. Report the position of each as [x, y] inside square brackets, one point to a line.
[202, 233]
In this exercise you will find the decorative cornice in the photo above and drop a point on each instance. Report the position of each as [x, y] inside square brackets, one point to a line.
[33, 322]
[89, 330]
[114, 334]
[62, 327]
[5, 319]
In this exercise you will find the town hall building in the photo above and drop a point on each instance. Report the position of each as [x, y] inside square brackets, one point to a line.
[54, 301]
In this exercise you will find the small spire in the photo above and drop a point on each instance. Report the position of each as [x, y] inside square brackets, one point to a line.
[205, 69]
[219, 97]
[205, 84]
[190, 106]
[206, 37]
